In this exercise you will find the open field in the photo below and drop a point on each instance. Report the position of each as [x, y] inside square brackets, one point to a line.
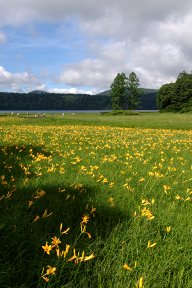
[96, 201]
[142, 120]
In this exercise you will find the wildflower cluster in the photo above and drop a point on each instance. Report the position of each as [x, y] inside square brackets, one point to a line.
[69, 252]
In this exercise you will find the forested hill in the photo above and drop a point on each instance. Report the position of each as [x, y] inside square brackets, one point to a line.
[40, 100]
[143, 90]
[148, 100]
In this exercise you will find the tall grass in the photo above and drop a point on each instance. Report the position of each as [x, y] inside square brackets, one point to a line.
[119, 198]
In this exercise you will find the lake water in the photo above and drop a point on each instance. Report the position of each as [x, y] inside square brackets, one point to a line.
[62, 111]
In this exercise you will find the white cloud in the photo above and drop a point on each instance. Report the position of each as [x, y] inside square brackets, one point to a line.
[70, 91]
[87, 73]
[97, 73]
[152, 38]
[18, 81]
[154, 64]
[178, 32]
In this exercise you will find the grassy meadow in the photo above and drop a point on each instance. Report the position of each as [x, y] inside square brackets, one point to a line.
[96, 201]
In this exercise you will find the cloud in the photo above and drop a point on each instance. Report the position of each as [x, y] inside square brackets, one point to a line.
[154, 63]
[87, 73]
[22, 11]
[102, 17]
[178, 32]
[151, 38]
[70, 91]
[18, 82]
[99, 72]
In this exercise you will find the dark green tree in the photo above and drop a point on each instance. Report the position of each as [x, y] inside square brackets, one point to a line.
[134, 93]
[183, 87]
[176, 96]
[118, 91]
[165, 96]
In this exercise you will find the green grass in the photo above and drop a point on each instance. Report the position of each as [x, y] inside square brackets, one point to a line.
[137, 177]
[141, 120]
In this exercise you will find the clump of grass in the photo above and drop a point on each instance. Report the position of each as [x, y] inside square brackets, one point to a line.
[120, 112]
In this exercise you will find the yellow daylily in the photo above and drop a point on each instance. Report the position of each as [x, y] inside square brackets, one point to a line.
[55, 241]
[151, 245]
[47, 248]
[127, 267]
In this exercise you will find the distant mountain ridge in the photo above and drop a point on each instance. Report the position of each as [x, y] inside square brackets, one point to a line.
[106, 92]
[145, 91]
[39, 92]
[42, 100]
[147, 99]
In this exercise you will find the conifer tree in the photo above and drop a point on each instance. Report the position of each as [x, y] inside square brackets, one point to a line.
[118, 91]
[133, 91]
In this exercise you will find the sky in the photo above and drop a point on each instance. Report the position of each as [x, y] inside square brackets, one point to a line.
[79, 46]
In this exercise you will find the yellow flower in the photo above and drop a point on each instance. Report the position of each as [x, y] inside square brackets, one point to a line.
[140, 283]
[151, 245]
[30, 203]
[189, 190]
[36, 218]
[65, 231]
[50, 270]
[39, 194]
[58, 253]
[168, 229]
[46, 279]
[61, 190]
[64, 253]
[105, 180]
[93, 210]
[85, 219]
[126, 267]
[74, 257]
[12, 179]
[89, 235]
[145, 202]
[45, 215]
[47, 248]
[87, 258]
[166, 187]
[141, 179]
[178, 197]
[111, 184]
[111, 201]
[147, 213]
[83, 168]
[55, 241]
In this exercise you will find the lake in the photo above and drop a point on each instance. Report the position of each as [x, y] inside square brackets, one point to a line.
[62, 111]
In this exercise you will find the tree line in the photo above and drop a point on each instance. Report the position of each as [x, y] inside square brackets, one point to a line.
[53, 101]
[177, 96]
[173, 97]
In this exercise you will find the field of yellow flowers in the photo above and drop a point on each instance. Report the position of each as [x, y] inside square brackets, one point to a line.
[95, 206]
